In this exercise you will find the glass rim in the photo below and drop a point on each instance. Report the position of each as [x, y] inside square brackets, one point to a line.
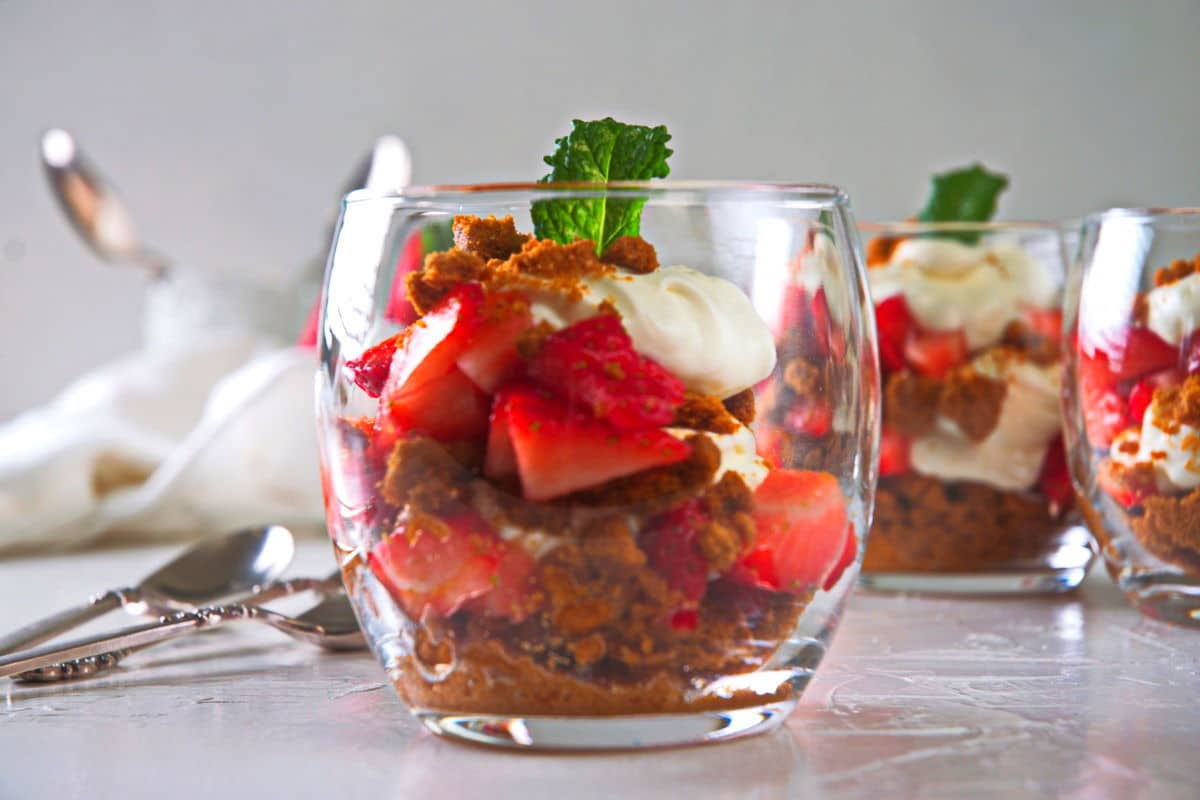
[816, 192]
[912, 227]
[1143, 213]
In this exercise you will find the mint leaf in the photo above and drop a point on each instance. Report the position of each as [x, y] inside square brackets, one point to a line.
[600, 151]
[963, 195]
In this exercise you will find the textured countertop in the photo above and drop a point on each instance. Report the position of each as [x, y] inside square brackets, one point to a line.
[1072, 696]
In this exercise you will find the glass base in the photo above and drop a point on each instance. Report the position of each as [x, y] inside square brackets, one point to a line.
[1045, 581]
[631, 732]
[1167, 596]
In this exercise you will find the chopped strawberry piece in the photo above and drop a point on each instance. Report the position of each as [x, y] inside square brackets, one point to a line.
[559, 451]
[935, 353]
[593, 363]
[1140, 398]
[894, 322]
[308, 334]
[500, 459]
[793, 312]
[1105, 412]
[434, 342]
[435, 566]
[512, 594]
[772, 443]
[894, 453]
[849, 553]
[670, 547]
[685, 619]
[492, 355]
[802, 528]
[1045, 322]
[820, 323]
[398, 308]
[812, 418]
[447, 408]
[1055, 480]
[370, 370]
[1189, 353]
[1126, 487]
[1136, 351]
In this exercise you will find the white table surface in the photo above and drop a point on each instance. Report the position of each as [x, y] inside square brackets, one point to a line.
[920, 697]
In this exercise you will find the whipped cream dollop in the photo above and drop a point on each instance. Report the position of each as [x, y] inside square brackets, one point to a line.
[1010, 458]
[1173, 310]
[949, 285]
[1174, 456]
[702, 328]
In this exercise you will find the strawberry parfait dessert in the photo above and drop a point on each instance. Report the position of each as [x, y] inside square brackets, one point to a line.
[545, 491]
[974, 493]
[1135, 407]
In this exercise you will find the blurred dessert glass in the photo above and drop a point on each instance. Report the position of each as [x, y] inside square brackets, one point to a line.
[974, 494]
[1132, 402]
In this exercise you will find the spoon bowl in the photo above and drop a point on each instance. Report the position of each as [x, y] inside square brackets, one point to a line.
[206, 572]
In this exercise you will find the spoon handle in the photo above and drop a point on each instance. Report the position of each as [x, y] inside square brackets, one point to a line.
[46, 629]
[168, 627]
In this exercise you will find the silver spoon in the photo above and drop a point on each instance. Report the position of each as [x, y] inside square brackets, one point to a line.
[330, 624]
[210, 570]
[96, 664]
[93, 206]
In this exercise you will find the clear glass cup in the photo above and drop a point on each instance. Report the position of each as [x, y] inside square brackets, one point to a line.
[1131, 401]
[637, 530]
[974, 495]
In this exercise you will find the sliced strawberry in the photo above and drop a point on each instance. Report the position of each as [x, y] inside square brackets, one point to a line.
[1136, 351]
[593, 363]
[1045, 322]
[670, 546]
[434, 342]
[812, 418]
[308, 334]
[793, 312]
[559, 452]
[436, 566]
[448, 408]
[935, 353]
[1127, 488]
[492, 355]
[894, 322]
[410, 260]
[894, 453]
[1054, 481]
[512, 594]
[370, 370]
[849, 553]
[802, 528]
[1139, 400]
[1105, 412]
[820, 323]
[772, 443]
[500, 459]
[685, 619]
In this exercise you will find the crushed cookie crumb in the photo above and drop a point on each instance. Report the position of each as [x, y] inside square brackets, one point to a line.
[910, 403]
[972, 402]
[488, 238]
[632, 253]
[741, 405]
[702, 412]
[1176, 271]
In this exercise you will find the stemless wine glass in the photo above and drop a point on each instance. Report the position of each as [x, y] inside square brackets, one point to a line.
[974, 494]
[587, 501]
[1132, 402]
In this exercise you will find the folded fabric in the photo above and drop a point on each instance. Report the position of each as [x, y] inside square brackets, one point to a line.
[172, 442]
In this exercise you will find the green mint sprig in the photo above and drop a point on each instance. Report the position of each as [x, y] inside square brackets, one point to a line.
[963, 195]
[600, 151]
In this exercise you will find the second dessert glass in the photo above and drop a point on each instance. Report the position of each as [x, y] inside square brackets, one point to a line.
[582, 500]
[1132, 404]
[974, 494]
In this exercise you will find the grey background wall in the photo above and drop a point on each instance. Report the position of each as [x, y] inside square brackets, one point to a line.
[230, 125]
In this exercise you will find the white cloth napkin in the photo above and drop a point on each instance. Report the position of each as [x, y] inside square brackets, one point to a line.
[194, 435]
